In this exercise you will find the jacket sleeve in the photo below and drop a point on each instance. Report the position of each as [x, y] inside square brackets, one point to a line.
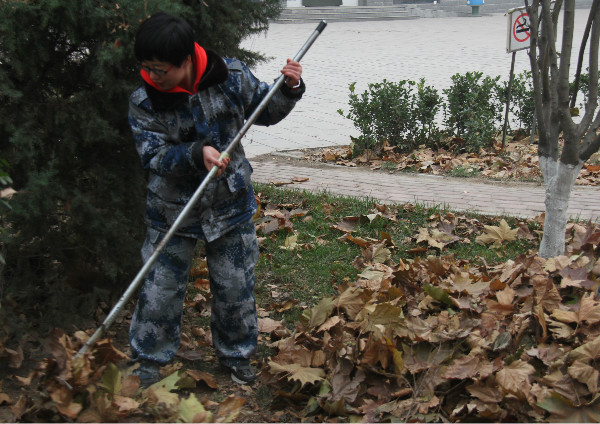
[160, 152]
[254, 91]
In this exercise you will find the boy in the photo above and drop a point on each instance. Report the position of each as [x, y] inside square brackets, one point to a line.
[191, 105]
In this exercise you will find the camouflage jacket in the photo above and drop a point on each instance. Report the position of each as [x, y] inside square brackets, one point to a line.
[166, 125]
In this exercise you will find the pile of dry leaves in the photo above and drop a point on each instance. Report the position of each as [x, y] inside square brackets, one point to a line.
[432, 339]
[440, 340]
[517, 161]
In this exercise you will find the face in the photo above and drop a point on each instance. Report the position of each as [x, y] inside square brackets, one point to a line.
[164, 74]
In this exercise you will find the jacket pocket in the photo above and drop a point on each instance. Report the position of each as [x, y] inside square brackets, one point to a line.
[240, 176]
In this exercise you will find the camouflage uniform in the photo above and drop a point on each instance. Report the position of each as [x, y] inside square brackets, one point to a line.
[165, 126]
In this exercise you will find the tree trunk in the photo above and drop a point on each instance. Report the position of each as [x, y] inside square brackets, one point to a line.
[560, 179]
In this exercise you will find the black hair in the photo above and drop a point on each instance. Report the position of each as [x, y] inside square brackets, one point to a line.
[165, 38]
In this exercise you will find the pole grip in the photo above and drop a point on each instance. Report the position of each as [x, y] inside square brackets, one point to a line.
[321, 26]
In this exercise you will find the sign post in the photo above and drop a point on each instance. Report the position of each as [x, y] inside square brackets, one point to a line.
[519, 35]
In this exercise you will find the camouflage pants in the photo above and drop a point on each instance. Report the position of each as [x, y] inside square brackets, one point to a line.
[156, 323]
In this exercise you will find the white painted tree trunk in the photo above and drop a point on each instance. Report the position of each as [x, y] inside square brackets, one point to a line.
[559, 179]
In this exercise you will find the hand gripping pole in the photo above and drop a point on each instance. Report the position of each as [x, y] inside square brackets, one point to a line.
[194, 199]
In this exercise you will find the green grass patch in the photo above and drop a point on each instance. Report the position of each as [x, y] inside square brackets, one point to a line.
[463, 172]
[292, 280]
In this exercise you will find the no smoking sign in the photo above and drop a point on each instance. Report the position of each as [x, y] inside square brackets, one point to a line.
[519, 30]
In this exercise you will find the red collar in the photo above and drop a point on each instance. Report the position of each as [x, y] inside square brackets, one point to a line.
[199, 61]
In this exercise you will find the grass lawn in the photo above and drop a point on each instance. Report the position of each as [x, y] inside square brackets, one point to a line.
[289, 280]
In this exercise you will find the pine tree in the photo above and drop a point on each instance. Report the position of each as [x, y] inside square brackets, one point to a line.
[66, 72]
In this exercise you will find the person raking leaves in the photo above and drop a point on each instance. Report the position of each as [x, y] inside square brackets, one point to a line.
[190, 105]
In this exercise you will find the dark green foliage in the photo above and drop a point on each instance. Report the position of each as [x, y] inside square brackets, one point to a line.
[427, 104]
[400, 114]
[522, 104]
[66, 72]
[584, 84]
[221, 25]
[473, 110]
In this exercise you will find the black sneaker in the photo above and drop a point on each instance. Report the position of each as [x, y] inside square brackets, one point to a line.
[241, 370]
[148, 372]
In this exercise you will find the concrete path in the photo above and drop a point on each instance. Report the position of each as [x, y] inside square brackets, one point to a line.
[458, 194]
[367, 52]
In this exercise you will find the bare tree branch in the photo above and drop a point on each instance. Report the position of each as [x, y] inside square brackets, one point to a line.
[532, 11]
[570, 152]
[586, 35]
[592, 100]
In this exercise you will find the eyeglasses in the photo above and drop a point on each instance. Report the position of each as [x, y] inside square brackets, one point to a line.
[159, 72]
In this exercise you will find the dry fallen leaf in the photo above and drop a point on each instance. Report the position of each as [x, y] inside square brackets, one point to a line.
[497, 235]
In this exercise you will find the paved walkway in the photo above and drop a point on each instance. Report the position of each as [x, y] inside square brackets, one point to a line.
[459, 194]
[367, 52]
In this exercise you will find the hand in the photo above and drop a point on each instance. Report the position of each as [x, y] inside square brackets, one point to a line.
[211, 158]
[293, 72]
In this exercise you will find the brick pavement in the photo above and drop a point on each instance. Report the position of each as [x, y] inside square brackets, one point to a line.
[523, 200]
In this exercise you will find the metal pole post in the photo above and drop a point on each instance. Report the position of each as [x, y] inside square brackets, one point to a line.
[508, 93]
[194, 199]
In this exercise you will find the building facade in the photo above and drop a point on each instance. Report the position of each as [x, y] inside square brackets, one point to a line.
[424, 7]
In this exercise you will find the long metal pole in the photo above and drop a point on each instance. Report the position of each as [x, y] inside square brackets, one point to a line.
[508, 93]
[194, 199]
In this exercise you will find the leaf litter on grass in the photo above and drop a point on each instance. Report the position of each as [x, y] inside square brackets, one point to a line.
[518, 161]
[436, 339]
[432, 338]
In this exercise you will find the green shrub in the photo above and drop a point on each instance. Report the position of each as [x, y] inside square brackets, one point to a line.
[400, 114]
[473, 109]
[428, 103]
[522, 104]
[584, 86]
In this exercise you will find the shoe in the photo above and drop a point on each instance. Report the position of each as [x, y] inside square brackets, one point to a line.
[241, 370]
[148, 372]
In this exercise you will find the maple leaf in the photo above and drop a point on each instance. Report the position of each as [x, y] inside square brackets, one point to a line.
[63, 399]
[268, 325]
[576, 278]
[320, 313]
[485, 392]
[384, 314]
[422, 356]
[230, 409]
[563, 410]
[546, 292]
[435, 238]
[497, 235]
[125, 405]
[463, 367]
[588, 310]
[291, 242]
[304, 375]
[587, 352]
[463, 283]
[586, 374]
[347, 225]
[191, 410]
[330, 323]
[209, 379]
[514, 378]
[351, 301]
[439, 294]
[111, 380]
